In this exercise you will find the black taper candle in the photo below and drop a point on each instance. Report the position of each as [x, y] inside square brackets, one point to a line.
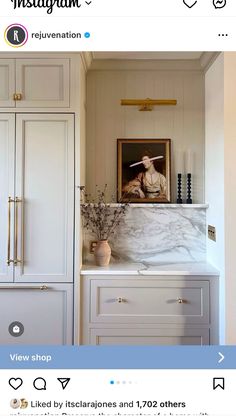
[189, 189]
[179, 196]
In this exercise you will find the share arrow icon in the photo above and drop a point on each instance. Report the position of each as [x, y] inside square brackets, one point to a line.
[64, 382]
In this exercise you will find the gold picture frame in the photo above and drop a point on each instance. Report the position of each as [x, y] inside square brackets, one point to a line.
[144, 170]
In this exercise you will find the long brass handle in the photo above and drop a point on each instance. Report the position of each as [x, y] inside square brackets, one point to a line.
[9, 260]
[40, 288]
[16, 260]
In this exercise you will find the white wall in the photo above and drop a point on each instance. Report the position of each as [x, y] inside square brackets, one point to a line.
[230, 195]
[214, 171]
[107, 120]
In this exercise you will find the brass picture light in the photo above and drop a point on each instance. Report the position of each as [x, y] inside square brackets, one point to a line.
[147, 104]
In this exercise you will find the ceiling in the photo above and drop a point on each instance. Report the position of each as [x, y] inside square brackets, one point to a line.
[120, 55]
[152, 60]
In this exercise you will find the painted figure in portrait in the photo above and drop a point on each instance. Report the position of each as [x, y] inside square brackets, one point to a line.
[143, 170]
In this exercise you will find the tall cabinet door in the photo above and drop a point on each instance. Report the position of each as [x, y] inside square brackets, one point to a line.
[44, 213]
[7, 82]
[7, 141]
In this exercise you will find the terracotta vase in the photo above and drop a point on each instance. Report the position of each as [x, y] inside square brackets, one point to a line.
[102, 253]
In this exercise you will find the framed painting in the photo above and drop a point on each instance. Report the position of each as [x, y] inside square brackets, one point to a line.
[143, 170]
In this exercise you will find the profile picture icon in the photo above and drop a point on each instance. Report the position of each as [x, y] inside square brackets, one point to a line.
[16, 35]
[15, 403]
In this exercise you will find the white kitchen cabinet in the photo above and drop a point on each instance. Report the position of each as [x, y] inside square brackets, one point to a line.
[35, 83]
[149, 310]
[40, 127]
[37, 173]
[37, 227]
[36, 314]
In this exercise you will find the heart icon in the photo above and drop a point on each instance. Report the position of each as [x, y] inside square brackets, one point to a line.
[15, 383]
[190, 3]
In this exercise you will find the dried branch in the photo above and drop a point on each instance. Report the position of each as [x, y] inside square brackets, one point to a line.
[98, 215]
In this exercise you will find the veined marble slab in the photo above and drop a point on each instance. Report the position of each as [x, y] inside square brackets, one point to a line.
[160, 235]
[113, 269]
[178, 269]
[150, 205]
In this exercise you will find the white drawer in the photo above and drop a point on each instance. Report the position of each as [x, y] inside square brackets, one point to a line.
[36, 314]
[149, 301]
[150, 336]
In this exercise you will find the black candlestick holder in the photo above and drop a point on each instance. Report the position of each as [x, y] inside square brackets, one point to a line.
[179, 197]
[189, 189]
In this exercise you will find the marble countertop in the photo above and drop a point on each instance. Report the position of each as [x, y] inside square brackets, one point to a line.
[162, 205]
[125, 268]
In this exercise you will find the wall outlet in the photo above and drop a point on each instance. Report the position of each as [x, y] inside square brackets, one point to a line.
[212, 233]
[92, 246]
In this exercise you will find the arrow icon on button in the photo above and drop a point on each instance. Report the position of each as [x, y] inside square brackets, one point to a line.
[221, 357]
[64, 382]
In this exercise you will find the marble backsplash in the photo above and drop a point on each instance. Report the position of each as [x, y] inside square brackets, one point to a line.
[158, 234]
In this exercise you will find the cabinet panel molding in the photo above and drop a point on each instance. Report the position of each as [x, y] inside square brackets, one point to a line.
[45, 186]
[35, 83]
[43, 82]
[180, 336]
[149, 301]
[43, 314]
[7, 82]
[7, 145]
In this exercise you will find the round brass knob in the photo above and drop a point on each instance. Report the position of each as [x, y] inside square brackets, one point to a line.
[120, 300]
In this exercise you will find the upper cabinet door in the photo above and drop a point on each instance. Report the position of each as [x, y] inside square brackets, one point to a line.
[7, 141]
[42, 83]
[7, 83]
[45, 192]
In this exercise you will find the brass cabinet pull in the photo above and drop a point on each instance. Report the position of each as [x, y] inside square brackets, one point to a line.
[16, 260]
[180, 301]
[121, 300]
[39, 288]
[9, 260]
[17, 96]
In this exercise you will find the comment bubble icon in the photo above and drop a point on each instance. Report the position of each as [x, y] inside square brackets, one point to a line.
[40, 383]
